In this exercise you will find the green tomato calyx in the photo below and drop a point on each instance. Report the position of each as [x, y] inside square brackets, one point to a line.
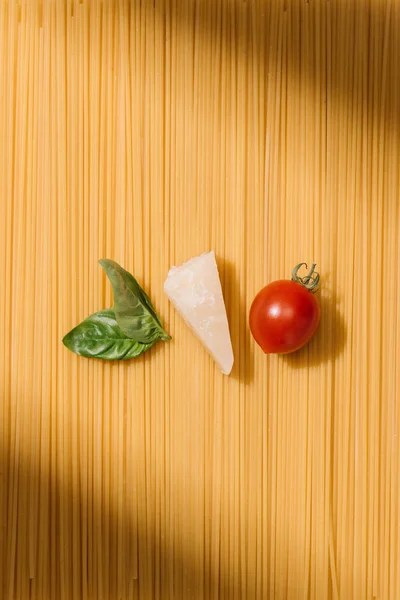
[309, 281]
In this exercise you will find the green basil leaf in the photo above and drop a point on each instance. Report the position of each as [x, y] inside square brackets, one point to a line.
[99, 336]
[133, 309]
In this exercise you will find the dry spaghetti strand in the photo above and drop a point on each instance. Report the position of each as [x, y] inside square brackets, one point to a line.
[149, 132]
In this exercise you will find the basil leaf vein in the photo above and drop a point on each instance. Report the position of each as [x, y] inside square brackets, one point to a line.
[133, 309]
[99, 336]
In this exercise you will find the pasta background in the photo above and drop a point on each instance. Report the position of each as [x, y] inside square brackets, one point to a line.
[149, 131]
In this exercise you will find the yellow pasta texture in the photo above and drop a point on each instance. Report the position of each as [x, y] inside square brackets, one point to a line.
[148, 132]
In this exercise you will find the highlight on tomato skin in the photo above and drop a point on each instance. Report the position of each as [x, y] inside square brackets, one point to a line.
[285, 314]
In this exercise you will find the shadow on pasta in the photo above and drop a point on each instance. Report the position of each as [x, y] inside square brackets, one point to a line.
[329, 340]
[235, 302]
[109, 552]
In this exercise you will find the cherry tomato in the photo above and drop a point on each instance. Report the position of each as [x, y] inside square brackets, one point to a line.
[285, 314]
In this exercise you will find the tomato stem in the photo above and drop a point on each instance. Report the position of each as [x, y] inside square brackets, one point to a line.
[310, 281]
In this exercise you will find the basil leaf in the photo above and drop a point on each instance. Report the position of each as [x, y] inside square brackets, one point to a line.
[99, 336]
[133, 309]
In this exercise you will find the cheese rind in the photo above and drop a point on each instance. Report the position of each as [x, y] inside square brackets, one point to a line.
[194, 289]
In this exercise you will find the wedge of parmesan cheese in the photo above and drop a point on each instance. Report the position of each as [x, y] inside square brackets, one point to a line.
[195, 290]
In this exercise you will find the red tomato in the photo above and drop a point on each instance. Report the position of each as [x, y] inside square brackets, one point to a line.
[285, 314]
